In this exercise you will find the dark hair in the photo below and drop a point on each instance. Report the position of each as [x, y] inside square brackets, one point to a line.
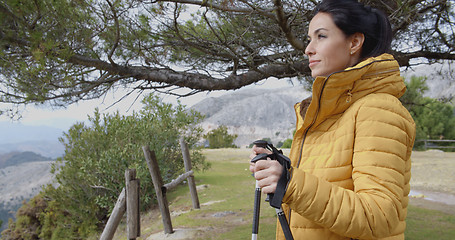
[354, 17]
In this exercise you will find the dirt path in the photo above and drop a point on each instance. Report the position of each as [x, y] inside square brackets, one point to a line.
[433, 180]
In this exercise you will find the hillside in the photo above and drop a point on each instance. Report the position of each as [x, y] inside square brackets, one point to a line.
[22, 174]
[17, 158]
[253, 113]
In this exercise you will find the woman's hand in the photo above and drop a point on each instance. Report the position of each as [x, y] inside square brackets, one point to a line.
[267, 172]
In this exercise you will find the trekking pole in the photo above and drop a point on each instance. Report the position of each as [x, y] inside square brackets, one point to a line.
[280, 191]
[257, 202]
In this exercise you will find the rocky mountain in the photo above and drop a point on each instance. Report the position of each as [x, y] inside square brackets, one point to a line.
[440, 78]
[253, 113]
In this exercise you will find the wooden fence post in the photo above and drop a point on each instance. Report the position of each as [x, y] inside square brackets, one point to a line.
[115, 218]
[132, 204]
[158, 185]
[188, 167]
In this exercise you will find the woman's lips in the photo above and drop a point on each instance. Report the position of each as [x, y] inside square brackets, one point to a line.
[313, 63]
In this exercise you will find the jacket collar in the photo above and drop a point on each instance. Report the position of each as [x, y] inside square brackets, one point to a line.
[334, 94]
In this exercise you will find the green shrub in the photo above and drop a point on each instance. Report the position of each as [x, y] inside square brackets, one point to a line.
[219, 138]
[287, 143]
[27, 225]
[434, 119]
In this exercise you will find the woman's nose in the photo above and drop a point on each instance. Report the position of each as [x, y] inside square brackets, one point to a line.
[309, 50]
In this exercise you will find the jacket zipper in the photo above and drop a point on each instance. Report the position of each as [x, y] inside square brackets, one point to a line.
[305, 134]
[314, 120]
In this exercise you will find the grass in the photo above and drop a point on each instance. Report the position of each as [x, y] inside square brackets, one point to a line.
[226, 195]
[231, 187]
[425, 224]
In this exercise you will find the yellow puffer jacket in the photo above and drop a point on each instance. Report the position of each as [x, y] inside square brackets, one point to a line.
[351, 157]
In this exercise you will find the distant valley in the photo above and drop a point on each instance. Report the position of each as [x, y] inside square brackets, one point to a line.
[26, 155]
[22, 174]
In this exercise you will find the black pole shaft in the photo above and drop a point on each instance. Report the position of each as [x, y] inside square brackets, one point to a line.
[284, 224]
[257, 207]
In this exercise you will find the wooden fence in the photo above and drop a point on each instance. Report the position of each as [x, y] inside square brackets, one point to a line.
[434, 143]
[128, 200]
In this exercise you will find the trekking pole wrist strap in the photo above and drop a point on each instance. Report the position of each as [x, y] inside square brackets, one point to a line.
[280, 191]
[275, 199]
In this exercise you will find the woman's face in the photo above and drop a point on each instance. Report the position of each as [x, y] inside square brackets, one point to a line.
[328, 50]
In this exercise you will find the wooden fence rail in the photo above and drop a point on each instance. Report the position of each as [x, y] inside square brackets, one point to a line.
[174, 183]
[429, 143]
[115, 218]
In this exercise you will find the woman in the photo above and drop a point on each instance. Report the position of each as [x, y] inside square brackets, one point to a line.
[351, 151]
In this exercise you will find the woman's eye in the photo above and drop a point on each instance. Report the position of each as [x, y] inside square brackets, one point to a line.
[322, 36]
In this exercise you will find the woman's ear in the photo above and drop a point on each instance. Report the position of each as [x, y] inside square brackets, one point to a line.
[357, 40]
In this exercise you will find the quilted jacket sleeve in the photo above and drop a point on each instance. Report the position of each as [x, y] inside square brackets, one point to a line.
[384, 135]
